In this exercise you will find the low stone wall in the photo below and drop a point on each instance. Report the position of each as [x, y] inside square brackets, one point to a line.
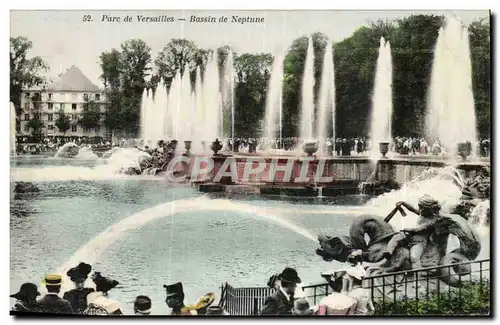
[302, 172]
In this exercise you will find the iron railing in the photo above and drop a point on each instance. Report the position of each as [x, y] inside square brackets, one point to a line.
[385, 288]
[417, 285]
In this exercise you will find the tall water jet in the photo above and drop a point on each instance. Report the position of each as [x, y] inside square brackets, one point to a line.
[144, 112]
[326, 98]
[211, 107]
[381, 116]
[273, 100]
[12, 129]
[307, 103]
[230, 80]
[184, 120]
[160, 116]
[200, 113]
[451, 117]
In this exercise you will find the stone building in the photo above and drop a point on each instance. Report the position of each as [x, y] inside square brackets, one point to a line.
[69, 93]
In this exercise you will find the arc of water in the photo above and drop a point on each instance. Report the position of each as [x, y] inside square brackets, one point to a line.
[94, 248]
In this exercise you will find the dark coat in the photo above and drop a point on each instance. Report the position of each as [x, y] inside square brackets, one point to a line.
[78, 299]
[26, 307]
[52, 304]
[277, 304]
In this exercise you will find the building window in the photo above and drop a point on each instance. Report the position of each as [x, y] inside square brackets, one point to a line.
[97, 128]
[61, 106]
[51, 117]
[73, 128]
[73, 107]
[86, 96]
[50, 96]
[26, 117]
[51, 106]
[50, 127]
[97, 97]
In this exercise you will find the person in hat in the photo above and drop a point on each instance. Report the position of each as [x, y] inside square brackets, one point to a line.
[356, 291]
[281, 301]
[78, 297]
[100, 305]
[302, 308]
[26, 298]
[175, 300]
[51, 303]
[142, 305]
[428, 209]
[98, 302]
[103, 284]
[336, 303]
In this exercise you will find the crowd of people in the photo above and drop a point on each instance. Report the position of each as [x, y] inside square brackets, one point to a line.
[334, 147]
[348, 297]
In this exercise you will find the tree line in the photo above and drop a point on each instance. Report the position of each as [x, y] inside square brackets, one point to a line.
[128, 70]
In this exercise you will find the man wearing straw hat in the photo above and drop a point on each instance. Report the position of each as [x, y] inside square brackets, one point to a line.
[51, 303]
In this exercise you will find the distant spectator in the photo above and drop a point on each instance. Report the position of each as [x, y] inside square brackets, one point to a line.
[142, 305]
[26, 298]
[51, 303]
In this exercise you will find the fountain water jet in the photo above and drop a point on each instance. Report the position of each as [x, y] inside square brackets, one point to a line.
[326, 98]
[307, 104]
[228, 89]
[381, 116]
[451, 115]
[12, 129]
[273, 100]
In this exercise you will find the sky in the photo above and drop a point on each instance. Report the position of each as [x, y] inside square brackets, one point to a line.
[62, 39]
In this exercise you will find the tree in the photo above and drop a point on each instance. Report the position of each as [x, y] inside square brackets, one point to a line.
[63, 122]
[24, 71]
[176, 56]
[36, 125]
[111, 69]
[479, 35]
[252, 75]
[135, 61]
[91, 115]
[124, 73]
[111, 76]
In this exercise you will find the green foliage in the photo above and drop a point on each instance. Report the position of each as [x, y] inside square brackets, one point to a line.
[91, 115]
[412, 42]
[63, 122]
[471, 299]
[252, 75]
[24, 71]
[479, 35]
[123, 73]
[36, 125]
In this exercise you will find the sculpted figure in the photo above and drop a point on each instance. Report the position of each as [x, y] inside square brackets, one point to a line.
[423, 246]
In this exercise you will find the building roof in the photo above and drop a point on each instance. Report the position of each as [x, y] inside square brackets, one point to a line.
[73, 80]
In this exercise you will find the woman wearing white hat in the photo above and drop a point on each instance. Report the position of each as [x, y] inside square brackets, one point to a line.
[356, 291]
